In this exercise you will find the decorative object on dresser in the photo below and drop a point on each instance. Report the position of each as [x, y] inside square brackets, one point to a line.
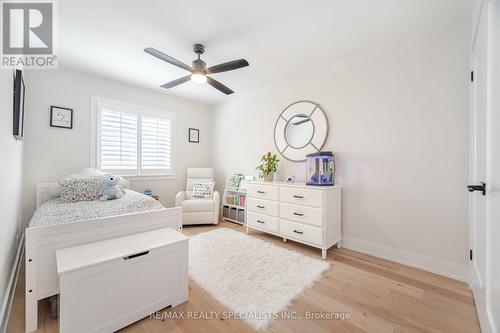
[249, 275]
[198, 211]
[268, 166]
[301, 129]
[309, 215]
[113, 271]
[61, 117]
[234, 199]
[194, 135]
[321, 169]
[18, 111]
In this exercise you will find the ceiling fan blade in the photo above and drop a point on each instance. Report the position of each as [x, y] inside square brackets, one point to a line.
[219, 86]
[228, 66]
[174, 83]
[167, 58]
[302, 121]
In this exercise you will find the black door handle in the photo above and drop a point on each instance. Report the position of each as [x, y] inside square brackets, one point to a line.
[481, 188]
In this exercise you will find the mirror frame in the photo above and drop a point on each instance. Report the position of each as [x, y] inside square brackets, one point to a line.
[314, 108]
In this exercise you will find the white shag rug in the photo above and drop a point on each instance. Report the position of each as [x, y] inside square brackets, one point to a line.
[252, 278]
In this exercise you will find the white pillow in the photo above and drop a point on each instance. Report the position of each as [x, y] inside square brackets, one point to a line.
[202, 190]
[94, 172]
[55, 190]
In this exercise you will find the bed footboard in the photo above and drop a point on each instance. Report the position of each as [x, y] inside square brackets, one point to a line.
[43, 241]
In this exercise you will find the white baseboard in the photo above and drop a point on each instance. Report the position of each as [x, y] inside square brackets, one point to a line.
[427, 263]
[11, 287]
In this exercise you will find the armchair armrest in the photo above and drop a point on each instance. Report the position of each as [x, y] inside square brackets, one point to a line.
[179, 198]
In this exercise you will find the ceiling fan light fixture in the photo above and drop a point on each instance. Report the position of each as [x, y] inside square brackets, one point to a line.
[199, 78]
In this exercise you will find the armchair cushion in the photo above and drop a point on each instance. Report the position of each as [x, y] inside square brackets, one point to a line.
[198, 205]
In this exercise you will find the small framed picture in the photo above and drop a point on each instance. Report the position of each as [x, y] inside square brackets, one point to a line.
[194, 135]
[61, 117]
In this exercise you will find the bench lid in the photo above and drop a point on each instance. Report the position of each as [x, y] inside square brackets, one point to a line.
[77, 257]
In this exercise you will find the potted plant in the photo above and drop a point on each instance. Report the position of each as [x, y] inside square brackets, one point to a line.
[268, 166]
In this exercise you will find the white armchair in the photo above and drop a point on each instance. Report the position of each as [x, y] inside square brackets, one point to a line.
[198, 211]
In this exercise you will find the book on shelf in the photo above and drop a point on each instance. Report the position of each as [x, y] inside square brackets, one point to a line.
[235, 182]
[235, 200]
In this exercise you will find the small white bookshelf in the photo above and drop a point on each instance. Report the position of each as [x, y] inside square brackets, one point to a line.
[234, 201]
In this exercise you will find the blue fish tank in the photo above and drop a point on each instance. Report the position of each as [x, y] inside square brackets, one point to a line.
[320, 169]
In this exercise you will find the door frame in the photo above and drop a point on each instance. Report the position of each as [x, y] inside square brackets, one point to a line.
[481, 286]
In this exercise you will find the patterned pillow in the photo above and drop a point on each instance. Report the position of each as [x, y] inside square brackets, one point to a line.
[202, 190]
[80, 188]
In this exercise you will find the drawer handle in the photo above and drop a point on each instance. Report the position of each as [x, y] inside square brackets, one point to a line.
[298, 232]
[260, 221]
[132, 256]
[261, 192]
[298, 214]
[259, 206]
[298, 196]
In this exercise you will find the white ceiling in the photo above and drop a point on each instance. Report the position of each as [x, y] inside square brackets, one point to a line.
[107, 38]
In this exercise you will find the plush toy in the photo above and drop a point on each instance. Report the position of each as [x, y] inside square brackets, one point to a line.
[110, 189]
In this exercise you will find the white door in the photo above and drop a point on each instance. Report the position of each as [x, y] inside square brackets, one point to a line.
[485, 167]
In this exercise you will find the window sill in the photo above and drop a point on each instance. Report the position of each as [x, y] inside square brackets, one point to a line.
[149, 177]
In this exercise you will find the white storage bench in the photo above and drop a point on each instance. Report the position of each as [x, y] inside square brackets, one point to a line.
[107, 285]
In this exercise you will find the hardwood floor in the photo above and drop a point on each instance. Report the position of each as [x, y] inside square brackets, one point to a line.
[379, 295]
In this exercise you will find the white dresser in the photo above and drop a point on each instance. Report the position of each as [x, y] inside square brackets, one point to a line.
[306, 214]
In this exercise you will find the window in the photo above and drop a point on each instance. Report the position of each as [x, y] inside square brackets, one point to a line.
[132, 140]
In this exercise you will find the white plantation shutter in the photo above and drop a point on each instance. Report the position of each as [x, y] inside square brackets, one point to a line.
[132, 140]
[118, 140]
[155, 144]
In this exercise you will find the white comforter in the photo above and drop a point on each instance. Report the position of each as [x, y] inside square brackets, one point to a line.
[55, 211]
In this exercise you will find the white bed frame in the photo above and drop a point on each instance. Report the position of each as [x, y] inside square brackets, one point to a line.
[43, 241]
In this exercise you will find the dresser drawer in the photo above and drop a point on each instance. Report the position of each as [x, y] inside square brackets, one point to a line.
[262, 192]
[301, 232]
[262, 221]
[304, 214]
[301, 196]
[262, 206]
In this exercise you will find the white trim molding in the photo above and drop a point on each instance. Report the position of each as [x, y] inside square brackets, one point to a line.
[427, 263]
[11, 287]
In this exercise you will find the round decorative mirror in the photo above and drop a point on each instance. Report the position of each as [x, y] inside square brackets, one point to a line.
[301, 129]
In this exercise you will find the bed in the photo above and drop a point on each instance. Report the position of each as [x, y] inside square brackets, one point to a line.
[56, 225]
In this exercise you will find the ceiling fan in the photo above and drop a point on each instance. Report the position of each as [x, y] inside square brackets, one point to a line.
[199, 70]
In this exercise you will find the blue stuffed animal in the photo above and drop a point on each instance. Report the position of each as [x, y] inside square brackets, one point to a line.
[110, 189]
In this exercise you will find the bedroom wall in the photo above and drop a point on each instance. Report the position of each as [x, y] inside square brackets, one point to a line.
[398, 116]
[11, 168]
[51, 153]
